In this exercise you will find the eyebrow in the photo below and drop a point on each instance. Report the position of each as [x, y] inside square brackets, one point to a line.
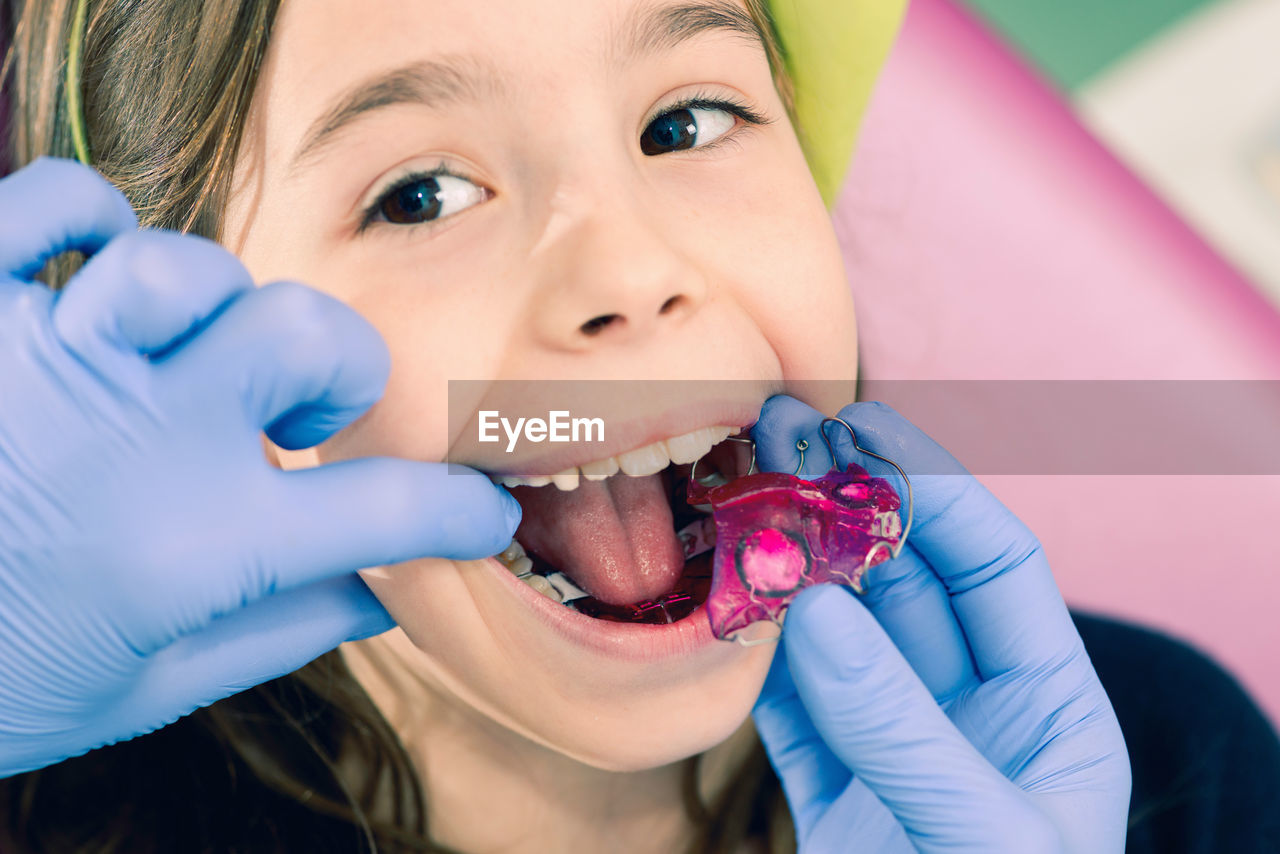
[465, 79]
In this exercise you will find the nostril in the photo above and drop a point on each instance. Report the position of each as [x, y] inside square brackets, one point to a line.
[596, 325]
[670, 304]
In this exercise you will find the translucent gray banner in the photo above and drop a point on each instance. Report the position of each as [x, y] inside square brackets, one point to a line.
[1052, 427]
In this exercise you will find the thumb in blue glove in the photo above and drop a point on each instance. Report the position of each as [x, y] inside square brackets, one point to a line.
[956, 710]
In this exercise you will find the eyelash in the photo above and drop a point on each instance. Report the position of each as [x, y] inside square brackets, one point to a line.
[750, 118]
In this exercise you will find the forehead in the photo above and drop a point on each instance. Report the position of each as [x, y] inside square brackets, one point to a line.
[320, 47]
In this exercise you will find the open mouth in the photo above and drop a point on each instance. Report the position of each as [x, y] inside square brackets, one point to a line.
[616, 540]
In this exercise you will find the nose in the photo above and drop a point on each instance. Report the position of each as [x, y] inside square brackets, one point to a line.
[613, 272]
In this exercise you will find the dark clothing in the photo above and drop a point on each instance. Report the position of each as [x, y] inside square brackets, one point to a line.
[1206, 762]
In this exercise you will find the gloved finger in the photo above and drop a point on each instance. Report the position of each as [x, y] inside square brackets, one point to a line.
[260, 642]
[912, 606]
[905, 594]
[304, 364]
[1001, 589]
[815, 782]
[143, 294]
[879, 719]
[811, 775]
[52, 206]
[783, 422]
[368, 512]
[858, 814]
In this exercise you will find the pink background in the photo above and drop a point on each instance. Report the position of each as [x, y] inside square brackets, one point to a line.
[989, 236]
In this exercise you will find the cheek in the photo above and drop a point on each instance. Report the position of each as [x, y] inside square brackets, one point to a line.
[431, 342]
[788, 270]
[799, 297]
[441, 318]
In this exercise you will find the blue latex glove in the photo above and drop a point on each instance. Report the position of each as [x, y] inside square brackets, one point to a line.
[953, 708]
[151, 560]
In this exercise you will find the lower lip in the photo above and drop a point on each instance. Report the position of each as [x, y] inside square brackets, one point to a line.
[643, 642]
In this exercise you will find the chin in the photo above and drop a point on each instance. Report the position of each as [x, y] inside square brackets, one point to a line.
[667, 729]
[487, 643]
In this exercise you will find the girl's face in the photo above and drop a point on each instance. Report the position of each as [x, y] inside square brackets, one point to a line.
[509, 191]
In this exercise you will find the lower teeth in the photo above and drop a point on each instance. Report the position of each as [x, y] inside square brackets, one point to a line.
[543, 586]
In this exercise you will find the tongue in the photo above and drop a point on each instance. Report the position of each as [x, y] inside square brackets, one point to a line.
[615, 538]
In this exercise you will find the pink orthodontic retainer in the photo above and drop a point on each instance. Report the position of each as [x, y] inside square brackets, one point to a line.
[776, 534]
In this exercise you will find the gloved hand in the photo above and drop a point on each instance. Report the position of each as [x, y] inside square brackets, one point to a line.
[953, 708]
[151, 560]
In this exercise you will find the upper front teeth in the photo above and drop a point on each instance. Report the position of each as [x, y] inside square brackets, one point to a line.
[600, 469]
[650, 459]
[689, 447]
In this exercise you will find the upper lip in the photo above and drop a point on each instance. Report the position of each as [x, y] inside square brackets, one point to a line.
[542, 459]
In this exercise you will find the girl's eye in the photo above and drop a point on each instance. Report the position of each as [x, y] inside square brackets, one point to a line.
[686, 127]
[425, 198]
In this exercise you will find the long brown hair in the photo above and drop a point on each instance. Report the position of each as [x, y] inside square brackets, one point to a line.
[305, 762]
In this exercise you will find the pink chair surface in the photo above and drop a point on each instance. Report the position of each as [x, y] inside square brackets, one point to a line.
[989, 236]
